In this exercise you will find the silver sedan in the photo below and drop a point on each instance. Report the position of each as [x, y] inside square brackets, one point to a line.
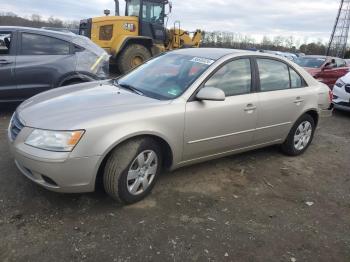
[181, 108]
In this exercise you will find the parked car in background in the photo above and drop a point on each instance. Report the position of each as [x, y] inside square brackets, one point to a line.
[289, 56]
[37, 60]
[325, 69]
[181, 108]
[341, 93]
[62, 29]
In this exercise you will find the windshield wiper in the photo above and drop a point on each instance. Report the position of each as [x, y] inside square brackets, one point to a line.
[129, 87]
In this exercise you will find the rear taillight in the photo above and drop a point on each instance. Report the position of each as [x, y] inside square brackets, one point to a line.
[330, 96]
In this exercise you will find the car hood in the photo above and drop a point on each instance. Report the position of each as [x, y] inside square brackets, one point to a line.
[73, 106]
[346, 78]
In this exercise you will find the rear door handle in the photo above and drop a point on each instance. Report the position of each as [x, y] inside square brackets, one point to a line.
[5, 62]
[298, 100]
[250, 107]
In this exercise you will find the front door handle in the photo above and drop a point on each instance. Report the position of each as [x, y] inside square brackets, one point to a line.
[250, 107]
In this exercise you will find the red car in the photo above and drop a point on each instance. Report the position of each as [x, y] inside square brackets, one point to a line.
[325, 69]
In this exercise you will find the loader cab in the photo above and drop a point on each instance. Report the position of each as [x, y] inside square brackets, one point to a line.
[151, 14]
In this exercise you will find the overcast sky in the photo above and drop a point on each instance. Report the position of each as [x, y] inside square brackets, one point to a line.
[310, 19]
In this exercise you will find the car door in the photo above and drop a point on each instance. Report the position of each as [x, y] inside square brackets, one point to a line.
[8, 89]
[281, 99]
[342, 69]
[41, 61]
[214, 127]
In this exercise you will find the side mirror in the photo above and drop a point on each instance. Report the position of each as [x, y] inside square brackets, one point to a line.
[211, 94]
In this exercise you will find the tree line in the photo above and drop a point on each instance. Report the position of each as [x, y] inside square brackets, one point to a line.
[11, 19]
[277, 43]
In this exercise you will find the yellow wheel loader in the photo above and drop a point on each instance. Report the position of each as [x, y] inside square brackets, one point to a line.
[139, 35]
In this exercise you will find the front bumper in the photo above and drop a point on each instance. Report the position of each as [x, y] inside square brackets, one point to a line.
[342, 106]
[341, 98]
[55, 171]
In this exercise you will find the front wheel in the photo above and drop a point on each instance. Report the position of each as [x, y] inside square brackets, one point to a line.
[300, 136]
[132, 170]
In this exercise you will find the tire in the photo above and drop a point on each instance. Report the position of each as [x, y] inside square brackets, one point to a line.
[123, 164]
[295, 148]
[126, 60]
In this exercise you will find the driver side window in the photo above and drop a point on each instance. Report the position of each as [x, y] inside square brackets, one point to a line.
[234, 78]
[153, 12]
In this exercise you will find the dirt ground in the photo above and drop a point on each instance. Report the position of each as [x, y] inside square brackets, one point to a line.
[257, 206]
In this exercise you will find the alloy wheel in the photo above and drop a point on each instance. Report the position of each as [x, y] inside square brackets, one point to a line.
[142, 172]
[302, 135]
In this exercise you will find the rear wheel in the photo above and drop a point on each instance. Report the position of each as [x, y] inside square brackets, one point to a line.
[300, 136]
[132, 170]
[132, 56]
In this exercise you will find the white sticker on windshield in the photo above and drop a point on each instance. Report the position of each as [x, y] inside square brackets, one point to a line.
[202, 60]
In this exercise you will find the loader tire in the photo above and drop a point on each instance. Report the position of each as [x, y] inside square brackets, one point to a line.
[132, 56]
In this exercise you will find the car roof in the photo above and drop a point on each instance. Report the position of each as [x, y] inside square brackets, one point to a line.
[62, 35]
[211, 53]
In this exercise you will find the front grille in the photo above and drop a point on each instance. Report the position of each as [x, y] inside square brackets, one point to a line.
[347, 88]
[16, 126]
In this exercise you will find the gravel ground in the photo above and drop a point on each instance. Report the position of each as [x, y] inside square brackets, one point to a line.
[257, 206]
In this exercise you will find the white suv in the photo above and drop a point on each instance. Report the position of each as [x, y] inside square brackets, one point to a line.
[341, 93]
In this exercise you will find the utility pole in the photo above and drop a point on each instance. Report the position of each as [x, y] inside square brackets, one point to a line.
[340, 33]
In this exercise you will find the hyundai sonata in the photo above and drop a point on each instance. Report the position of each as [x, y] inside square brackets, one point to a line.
[177, 109]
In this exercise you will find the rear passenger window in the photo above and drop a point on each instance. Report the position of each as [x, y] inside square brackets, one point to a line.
[295, 80]
[33, 44]
[5, 43]
[234, 78]
[274, 75]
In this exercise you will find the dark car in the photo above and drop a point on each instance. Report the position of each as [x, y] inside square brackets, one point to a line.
[63, 29]
[36, 60]
[324, 68]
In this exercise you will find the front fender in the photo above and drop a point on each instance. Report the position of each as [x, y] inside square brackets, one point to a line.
[105, 134]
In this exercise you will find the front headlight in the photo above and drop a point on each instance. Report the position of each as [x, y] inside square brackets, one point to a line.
[340, 83]
[59, 141]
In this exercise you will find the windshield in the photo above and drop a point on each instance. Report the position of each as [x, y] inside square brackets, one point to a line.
[133, 8]
[312, 62]
[167, 76]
